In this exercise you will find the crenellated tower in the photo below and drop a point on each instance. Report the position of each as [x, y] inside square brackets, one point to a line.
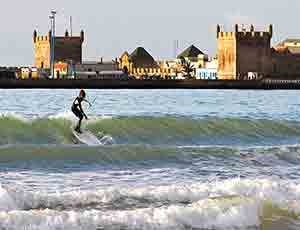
[67, 49]
[243, 51]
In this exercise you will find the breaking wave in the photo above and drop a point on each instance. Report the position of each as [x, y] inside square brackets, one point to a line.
[153, 131]
[230, 204]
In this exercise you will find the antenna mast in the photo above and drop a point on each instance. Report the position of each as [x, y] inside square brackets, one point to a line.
[71, 26]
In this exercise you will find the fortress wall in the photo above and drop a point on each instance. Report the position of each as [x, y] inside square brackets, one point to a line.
[66, 49]
[253, 53]
[240, 52]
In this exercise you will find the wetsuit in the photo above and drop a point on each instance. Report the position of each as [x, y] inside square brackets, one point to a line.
[77, 110]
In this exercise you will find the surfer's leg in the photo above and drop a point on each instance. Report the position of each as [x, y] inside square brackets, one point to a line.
[79, 123]
[80, 116]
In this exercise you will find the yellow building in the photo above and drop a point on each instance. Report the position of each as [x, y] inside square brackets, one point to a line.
[28, 73]
[139, 63]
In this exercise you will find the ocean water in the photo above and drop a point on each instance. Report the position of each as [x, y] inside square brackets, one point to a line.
[169, 159]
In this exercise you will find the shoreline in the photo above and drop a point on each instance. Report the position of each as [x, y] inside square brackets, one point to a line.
[266, 84]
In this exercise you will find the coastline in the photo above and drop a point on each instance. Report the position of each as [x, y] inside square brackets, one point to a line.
[266, 84]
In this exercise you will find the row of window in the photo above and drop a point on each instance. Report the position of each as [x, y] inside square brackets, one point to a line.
[208, 75]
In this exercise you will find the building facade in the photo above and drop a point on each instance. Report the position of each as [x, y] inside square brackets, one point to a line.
[209, 72]
[139, 63]
[193, 55]
[67, 49]
[244, 51]
[286, 58]
[98, 69]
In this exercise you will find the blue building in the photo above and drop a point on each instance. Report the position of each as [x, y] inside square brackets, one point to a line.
[207, 73]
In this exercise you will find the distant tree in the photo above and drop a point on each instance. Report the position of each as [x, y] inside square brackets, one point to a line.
[188, 69]
[182, 60]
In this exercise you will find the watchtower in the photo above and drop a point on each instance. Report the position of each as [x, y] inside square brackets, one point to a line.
[243, 51]
[66, 49]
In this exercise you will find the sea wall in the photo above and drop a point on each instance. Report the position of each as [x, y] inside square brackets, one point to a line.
[148, 84]
[127, 84]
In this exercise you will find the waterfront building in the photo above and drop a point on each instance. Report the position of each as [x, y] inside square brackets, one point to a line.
[247, 55]
[97, 66]
[170, 69]
[8, 73]
[31, 73]
[98, 69]
[139, 63]
[61, 70]
[209, 72]
[286, 58]
[244, 51]
[206, 74]
[193, 55]
[68, 49]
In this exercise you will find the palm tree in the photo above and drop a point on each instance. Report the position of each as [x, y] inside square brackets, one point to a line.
[188, 68]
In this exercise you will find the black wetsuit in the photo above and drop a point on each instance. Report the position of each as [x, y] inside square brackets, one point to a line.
[77, 110]
[76, 107]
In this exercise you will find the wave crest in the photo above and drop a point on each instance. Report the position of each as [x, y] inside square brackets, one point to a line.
[153, 131]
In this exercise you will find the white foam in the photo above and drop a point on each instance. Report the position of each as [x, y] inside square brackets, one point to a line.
[68, 115]
[14, 115]
[279, 192]
[207, 214]
[7, 203]
[229, 204]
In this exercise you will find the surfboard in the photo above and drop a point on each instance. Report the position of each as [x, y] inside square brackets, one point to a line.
[86, 137]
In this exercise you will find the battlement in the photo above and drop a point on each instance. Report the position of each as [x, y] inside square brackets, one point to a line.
[38, 38]
[42, 38]
[244, 33]
[226, 35]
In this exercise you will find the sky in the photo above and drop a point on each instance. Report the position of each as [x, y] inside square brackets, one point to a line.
[112, 27]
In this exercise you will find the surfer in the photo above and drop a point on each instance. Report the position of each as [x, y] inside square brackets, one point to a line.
[77, 109]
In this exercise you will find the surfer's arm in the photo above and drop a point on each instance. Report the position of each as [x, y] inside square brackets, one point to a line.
[87, 102]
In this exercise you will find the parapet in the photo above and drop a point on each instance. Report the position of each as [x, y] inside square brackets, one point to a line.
[226, 35]
[42, 38]
[38, 38]
[242, 32]
[255, 34]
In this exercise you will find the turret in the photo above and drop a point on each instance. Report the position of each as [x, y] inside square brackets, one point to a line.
[218, 30]
[271, 30]
[82, 35]
[236, 28]
[34, 36]
[49, 35]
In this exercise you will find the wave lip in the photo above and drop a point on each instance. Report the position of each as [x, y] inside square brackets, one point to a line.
[187, 131]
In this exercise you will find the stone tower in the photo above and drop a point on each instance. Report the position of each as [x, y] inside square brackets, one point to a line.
[244, 51]
[67, 49]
